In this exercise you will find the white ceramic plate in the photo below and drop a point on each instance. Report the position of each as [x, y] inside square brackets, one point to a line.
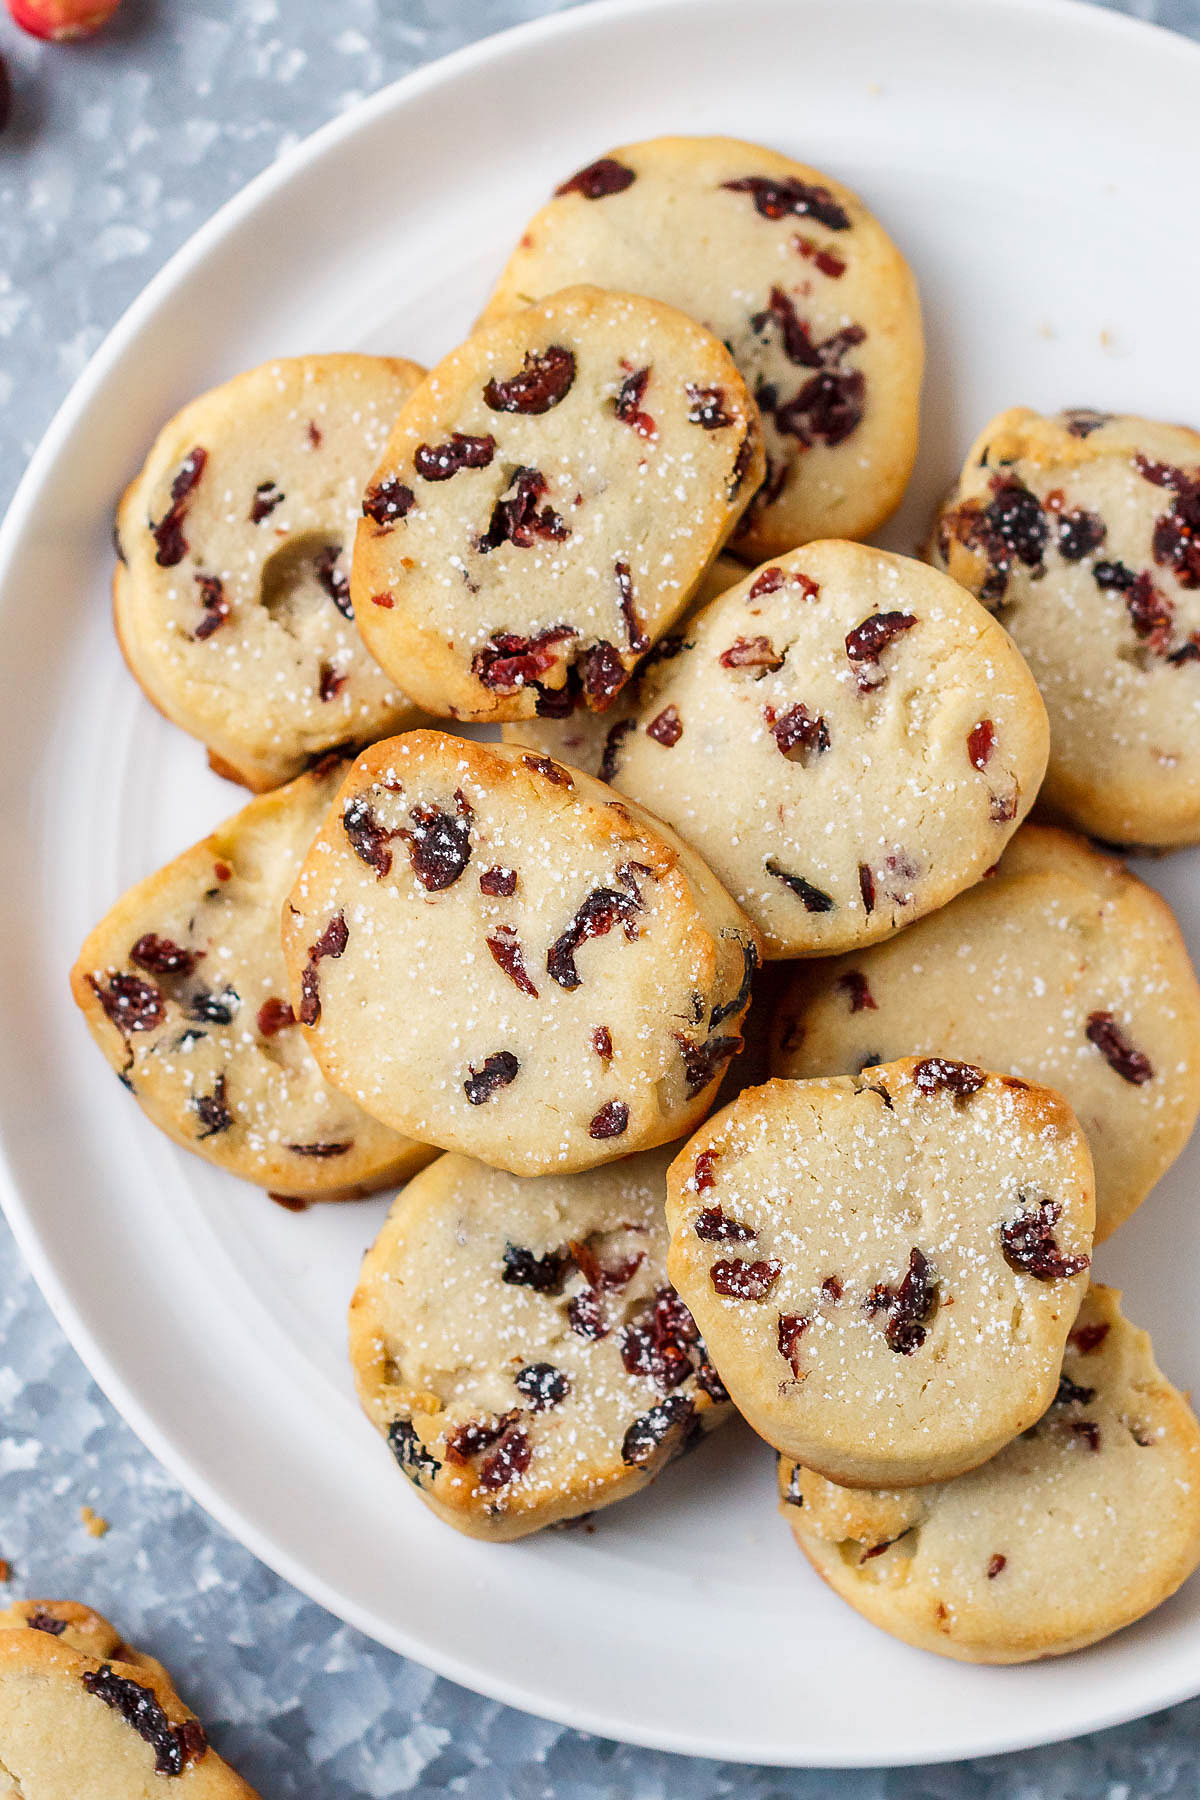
[1036, 161]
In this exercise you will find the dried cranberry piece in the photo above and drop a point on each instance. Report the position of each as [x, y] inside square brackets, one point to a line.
[602, 1043]
[168, 536]
[545, 379]
[938, 1074]
[418, 1463]
[586, 1316]
[542, 1385]
[855, 983]
[515, 520]
[553, 772]
[610, 760]
[467, 1440]
[499, 1071]
[769, 582]
[332, 942]
[498, 881]
[666, 1431]
[335, 581]
[1150, 612]
[867, 642]
[815, 899]
[742, 1280]
[866, 887]
[792, 1327]
[707, 407]
[708, 1379]
[508, 1460]
[1079, 533]
[322, 1152]
[439, 844]
[387, 501]
[1113, 575]
[1011, 528]
[741, 999]
[331, 682]
[824, 260]
[628, 402]
[713, 1226]
[1176, 540]
[702, 1174]
[507, 953]
[797, 341]
[601, 178]
[1070, 1393]
[1088, 1430]
[544, 1274]
[44, 1621]
[509, 662]
[159, 956]
[438, 462]
[1081, 421]
[175, 1747]
[595, 918]
[827, 409]
[266, 498]
[910, 1307]
[797, 732]
[131, 1004]
[1087, 1338]
[741, 463]
[206, 1008]
[832, 1288]
[751, 653]
[1030, 1246]
[996, 1565]
[212, 1111]
[781, 196]
[369, 837]
[1119, 1053]
[634, 634]
[611, 1121]
[603, 675]
[981, 741]
[213, 604]
[703, 1062]
[662, 1343]
[666, 728]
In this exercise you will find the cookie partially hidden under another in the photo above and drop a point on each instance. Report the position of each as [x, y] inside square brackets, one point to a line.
[885, 1267]
[519, 1346]
[1082, 1525]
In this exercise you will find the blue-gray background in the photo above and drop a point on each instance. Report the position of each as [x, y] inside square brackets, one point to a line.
[116, 151]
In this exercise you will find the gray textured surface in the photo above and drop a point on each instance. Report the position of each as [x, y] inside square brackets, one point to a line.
[117, 151]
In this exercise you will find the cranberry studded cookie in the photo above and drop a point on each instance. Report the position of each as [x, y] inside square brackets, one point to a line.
[232, 588]
[493, 953]
[790, 270]
[1082, 1525]
[845, 737]
[84, 1717]
[590, 740]
[1082, 533]
[519, 1346]
[184, 988]
[1062, 968]
[550, 500]
[885, 1268]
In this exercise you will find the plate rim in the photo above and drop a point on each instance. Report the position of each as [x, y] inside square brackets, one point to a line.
[223, 1508]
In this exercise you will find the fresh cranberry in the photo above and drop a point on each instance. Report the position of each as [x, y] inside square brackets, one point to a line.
[506, 952]
[742, 1280]
[601, 178]
[783, 196]
[1119, 1053]
[815, 899]
[595, 918]
[498, 1071]
[1031, 1248]
[545, 379]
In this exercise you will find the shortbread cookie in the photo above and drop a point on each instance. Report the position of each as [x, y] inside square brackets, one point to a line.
[885, 1268]
[1062, 968]
[492, 953]
[845, 737]
[789, 269]
[84, 1717]
[232, 589]
[589, 740]
[1079, 1527]
[550, 499]
[518, 1344]
[184, 988]
[1082, 533]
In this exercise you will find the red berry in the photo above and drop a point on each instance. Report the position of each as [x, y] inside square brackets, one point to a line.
[62, 19]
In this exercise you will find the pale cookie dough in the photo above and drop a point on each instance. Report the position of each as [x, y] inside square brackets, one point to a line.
[1081, 532]
[845, 737]
[550, 499]
[184, 988]
[885, 1268]
[84, 1717]
[1082, 1525]
[493, 953]
[1062, 968]
[788, 268]
[519, 1346]
[232, 588]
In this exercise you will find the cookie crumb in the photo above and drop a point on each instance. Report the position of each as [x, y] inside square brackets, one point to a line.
[96, 1526]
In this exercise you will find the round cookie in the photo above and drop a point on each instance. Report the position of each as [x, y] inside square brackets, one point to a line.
[492, 953]
[589, 740]
[1062, 968]
[518, 1344]
[789, 269]
[1082, 533]
[1080, 1526]
[550, 499]
[885, 1268]
[78, 1722]
[184, 988]
[232, 588]
[845, 737]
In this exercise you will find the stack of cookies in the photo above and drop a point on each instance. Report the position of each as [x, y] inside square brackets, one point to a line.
[517, 969]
